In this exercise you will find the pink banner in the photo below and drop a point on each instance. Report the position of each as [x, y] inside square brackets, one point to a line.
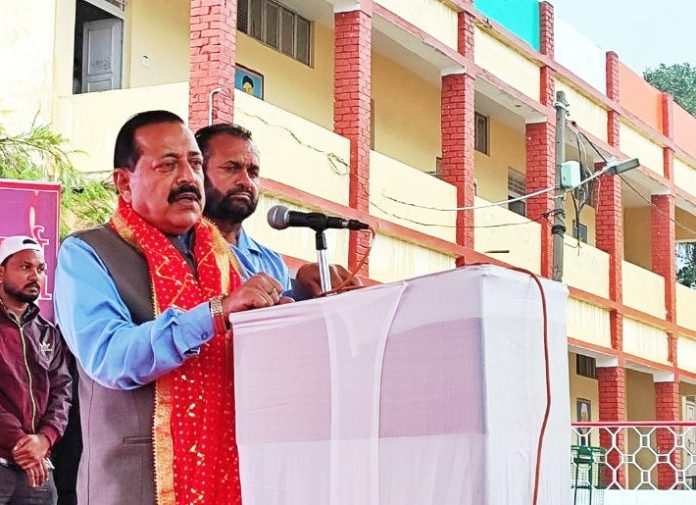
[33, 208]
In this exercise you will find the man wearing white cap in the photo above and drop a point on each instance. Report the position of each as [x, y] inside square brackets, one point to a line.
[35, 386]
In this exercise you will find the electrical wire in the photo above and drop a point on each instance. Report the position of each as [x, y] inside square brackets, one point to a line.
[483, 226]
[475, 207]
[659, 211]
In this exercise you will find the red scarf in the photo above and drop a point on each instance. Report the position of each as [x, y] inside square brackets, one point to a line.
[195, 447]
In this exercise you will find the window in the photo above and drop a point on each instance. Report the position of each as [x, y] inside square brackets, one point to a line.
[586, 366]
[481, 133]
[517, 186]
[580, 230]
[276, 26]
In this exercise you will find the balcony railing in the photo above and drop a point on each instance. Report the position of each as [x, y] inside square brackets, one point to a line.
[642, 455]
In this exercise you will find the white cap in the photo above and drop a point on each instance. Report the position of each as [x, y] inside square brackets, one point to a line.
[16, 243]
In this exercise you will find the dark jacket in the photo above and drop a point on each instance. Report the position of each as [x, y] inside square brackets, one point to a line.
[35, 384]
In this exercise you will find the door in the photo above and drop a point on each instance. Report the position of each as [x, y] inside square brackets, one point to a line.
[102, 44]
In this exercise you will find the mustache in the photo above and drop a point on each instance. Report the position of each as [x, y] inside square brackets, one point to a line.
[33, 285]
[185, 188]
[235, 192]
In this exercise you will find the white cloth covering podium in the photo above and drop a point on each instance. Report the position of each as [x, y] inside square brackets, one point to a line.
[429, 391]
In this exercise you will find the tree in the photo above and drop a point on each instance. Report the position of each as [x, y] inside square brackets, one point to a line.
[679, 80]
[686, 264]
[39, 155]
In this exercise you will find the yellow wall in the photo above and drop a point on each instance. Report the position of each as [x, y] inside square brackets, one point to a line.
[585, 267]
[589, 115]
[685, 176]
[635, 145]
[686, 302]
[407, 115]
[295, 242]
[640, 406]
[686, 389]
[643, 290]
[295, 151]
[90, 121]
[506, 150]
[63, 49]
[581, 387]
[588, 323]
[507, 64]
[390, 178]
[431, 16]
[392, 259]
[637, 240]
[291, 85]
[158, 29]
[587, 218]
[645, 341]
[26, 53]
[517, 239]
[687, 220]
[686, 350]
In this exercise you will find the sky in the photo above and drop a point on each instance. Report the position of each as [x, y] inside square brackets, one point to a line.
[644, 33]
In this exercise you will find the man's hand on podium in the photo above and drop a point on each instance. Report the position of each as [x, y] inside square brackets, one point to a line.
[261, 290]
[309, 278]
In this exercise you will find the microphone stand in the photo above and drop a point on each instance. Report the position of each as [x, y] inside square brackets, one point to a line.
[324, 275]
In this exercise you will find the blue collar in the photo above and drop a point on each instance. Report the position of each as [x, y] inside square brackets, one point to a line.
[246, 243]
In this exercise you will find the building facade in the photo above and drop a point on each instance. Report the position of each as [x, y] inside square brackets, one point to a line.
[386, 110]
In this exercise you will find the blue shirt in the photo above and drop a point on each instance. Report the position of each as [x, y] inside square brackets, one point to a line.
[256, 258]
[99, 331]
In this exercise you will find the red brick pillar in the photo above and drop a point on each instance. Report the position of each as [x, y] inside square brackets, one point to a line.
[667, 409]
[609, 215]
[213, 43]
[352, 91]
[663, 257]
[457, 102]
[548, 77]
[612, 407]
[541, 146]
[609, 225]
[541, 168]
[457, 166]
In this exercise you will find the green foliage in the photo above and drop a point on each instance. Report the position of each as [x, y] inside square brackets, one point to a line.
[686, 264]
[38, 155]
[679, 80]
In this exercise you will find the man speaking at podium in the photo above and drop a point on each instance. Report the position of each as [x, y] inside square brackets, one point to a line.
[143, 303]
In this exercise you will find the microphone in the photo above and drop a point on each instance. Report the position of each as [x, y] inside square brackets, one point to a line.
[280, 217]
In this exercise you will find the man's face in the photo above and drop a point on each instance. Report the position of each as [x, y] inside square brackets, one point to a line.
[23, 275]
[248, 87]
[166, 187]
[231, 178]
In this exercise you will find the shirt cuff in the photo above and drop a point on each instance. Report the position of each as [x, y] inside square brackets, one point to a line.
[196, 328]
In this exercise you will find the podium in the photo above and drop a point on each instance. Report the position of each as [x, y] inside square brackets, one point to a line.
[429, 391]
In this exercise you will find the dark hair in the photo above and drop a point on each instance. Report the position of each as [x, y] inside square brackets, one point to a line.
[126, 152]
[206, 134]
[247, 79]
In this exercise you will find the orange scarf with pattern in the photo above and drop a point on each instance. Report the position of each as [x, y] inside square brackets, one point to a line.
[195, 447]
